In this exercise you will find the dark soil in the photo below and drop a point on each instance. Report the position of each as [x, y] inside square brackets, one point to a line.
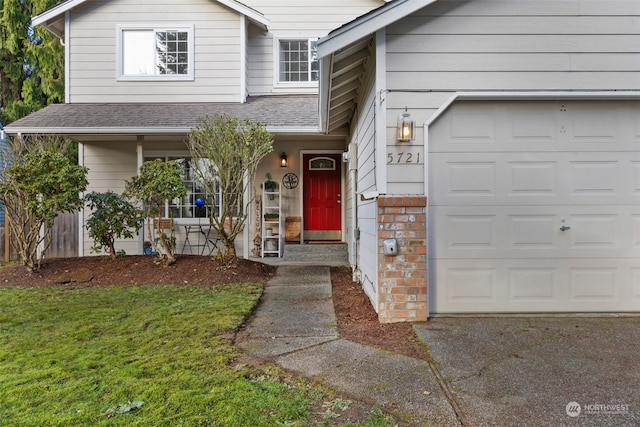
[357, 321]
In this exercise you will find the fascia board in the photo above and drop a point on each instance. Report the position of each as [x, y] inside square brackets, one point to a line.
[60, 9]
[368, 24]
[55, 11]
[250, 13]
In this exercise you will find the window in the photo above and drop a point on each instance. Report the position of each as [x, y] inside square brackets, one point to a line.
[156, 54]
[186, 207]
[298, 61]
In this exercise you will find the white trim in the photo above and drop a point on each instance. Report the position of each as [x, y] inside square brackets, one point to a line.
[381, 113]
[67, 57]
[55, 12]
[250, 13]
[155, 27]
[243, 59]
[302, 153]
[309, 86]
[368, 24]
[139, 161]
[81, 228]
[58, 10]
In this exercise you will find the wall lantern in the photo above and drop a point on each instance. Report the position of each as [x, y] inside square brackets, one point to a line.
[283, 160]
[406, 127]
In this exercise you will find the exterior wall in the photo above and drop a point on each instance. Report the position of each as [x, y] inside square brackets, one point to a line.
[294, 147]
[290, 18]
[484, 45]
[92, 50]
[364, 148]
[110, 164]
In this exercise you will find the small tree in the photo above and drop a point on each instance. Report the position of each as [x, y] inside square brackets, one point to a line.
[35, 190]
[226, 153]
[114, 217]
[157, 183]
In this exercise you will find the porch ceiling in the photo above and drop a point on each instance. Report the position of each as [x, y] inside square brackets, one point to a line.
[348, 67]
[281, 114]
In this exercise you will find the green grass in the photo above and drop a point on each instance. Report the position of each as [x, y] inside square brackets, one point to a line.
[145, 356]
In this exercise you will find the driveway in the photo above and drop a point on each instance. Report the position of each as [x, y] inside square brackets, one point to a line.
[539, 371]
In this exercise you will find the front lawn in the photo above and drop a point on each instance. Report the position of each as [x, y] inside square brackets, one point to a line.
[139, 355]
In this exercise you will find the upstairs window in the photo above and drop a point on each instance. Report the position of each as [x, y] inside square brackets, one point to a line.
[298, 61]
[155, 54]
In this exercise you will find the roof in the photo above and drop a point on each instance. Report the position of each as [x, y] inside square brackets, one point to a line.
[368, 24]
[345, 55]
[53, 18]
[281, 114]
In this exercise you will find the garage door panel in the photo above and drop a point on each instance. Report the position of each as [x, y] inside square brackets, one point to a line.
[537, 127]
[534, 178]
[534, 231]
[540, 285]
[535, 207]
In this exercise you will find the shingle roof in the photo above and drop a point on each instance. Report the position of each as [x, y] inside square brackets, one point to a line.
[284, 113]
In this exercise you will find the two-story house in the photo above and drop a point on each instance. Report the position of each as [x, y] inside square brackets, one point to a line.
[139, 75]
[477, 156]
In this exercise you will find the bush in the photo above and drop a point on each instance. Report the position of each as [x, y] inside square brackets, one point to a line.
[114, 217]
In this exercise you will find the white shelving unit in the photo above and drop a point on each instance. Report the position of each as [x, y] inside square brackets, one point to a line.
[272, 230]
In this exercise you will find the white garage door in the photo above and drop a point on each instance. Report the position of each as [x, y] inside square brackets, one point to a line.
[535, 207]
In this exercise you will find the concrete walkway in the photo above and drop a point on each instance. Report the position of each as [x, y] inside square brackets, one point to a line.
[487, 371]
[295, 327]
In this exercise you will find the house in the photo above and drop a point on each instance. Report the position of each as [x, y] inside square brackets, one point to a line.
[483, 154]
[139, 75]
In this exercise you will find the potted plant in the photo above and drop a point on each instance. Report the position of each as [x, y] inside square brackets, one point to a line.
[269, 185]
[271, 216]
[269, 231]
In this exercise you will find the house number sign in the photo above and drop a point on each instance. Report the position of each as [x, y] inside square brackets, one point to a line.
[404, 157]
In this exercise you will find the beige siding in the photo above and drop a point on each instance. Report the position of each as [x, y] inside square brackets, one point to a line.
[93, 52]
[501, 45]
[290, 18]
[364, 147]
[110, 164]
[217, 30]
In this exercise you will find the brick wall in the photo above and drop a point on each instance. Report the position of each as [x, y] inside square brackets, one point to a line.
[402, 279]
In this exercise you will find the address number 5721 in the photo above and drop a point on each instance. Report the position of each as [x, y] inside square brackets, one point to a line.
[403, 158]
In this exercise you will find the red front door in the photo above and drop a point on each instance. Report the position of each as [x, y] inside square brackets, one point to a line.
[322, 197]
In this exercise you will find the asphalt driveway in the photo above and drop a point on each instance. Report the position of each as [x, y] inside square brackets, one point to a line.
[539, 371]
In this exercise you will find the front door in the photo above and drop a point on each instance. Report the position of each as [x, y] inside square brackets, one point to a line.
[322, 197]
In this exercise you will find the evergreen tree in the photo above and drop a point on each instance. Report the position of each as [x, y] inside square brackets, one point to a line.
[31, 60]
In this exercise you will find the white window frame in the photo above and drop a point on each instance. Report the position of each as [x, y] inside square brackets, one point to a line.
[276, 63]
[121, 28]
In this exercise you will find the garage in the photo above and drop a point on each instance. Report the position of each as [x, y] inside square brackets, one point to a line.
[534, 207]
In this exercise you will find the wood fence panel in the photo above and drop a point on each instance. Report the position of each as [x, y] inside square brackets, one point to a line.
[64, 236]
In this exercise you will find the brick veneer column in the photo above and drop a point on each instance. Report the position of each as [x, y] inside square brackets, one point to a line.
[402, 279]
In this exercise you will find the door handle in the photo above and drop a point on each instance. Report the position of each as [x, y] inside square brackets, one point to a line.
[565, 228]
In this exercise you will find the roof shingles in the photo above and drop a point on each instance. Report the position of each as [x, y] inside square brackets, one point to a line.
[285, 112]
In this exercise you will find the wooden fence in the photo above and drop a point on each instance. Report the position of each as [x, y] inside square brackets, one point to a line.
[64, 238]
